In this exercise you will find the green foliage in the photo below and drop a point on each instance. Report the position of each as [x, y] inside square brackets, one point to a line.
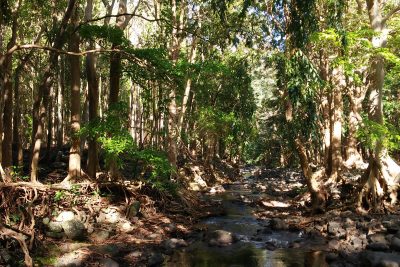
[371, 132]
[58, 196]
[157, 169]
[117, 143]
[111, 132]
[106, 33]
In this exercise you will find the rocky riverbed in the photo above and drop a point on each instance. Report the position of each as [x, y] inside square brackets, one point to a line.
[259, 219]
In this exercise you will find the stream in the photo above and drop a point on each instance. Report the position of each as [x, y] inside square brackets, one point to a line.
[254, 237]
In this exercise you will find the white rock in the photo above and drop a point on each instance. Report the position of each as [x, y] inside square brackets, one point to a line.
[65, 216]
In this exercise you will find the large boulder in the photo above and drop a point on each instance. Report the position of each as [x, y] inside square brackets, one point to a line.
[74, 229]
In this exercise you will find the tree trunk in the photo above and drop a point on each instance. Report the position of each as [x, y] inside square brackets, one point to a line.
[336, 143]
[356, 96]
[313, 180]
[383, 173]
[93, 84]
[176, 40]
[74, 166]
[60, 106]
[8, 99]
[39, 107]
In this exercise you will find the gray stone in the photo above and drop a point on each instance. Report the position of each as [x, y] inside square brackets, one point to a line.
[336, 229]
[5, 256]
[155, 259]
[133, 209]
[54, 235]
[356, 242]
[74, 229]
[391, 226]
[334, 244]
[65, 216]
[380, 259]
[100, 235]
[278, 224]
[221, 238]
[108, 263]
[395, 244]
[377, 238]
[172, 244]
[71, 259]
[55, 227]
[46, 220]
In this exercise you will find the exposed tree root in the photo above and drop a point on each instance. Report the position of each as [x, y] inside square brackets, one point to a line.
[380, 179]
[6, 232]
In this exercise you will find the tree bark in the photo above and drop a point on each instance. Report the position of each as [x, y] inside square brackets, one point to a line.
[74, 166]
[336, 142]
[383, 173]
[39, 107]
[8, 99]
[93, 84]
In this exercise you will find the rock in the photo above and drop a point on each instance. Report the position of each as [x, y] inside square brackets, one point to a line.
[100, 236]
[392, 227]
[74, 229]
[55, 227]
[378, 246]
[336, 229]
[5, 256]
[171, 244]
[356, 242]
[72, 259]
[334, 244]
[378, 238]
[155, 259]
[194, 187]
[133, 209]
[395, 244]
[380, 259]
[270, 246]
[125, 226]
[65, 216]
[109, 215]
[46, 220]
[108, 263]
[221, 238]
[278, 224]
[54, 235]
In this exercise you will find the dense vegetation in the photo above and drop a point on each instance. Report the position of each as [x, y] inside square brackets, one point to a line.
[115, 91]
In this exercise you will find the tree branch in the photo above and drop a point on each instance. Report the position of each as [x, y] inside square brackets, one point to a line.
[390, 14]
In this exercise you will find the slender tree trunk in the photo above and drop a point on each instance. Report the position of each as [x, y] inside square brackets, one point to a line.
[93, 84]
[336, 144]
[74, 166]
[60, 106]
[8, 99]
[356, 96]
[173, 130]
[39, 107]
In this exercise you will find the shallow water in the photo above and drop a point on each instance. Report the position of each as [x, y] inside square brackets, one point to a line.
[251, 250]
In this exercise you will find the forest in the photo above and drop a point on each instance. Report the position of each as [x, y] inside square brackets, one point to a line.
[204, 133]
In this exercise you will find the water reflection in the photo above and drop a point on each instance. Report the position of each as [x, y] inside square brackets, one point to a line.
[244, 255]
